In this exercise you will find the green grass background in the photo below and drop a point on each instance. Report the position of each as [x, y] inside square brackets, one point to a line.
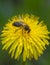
[9, 8]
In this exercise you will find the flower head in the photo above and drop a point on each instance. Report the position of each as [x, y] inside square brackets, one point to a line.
[25, 35]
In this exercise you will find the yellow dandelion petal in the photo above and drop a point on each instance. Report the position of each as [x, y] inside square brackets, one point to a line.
[25, 35]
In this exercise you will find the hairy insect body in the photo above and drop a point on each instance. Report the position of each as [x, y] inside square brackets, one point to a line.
[20, 23]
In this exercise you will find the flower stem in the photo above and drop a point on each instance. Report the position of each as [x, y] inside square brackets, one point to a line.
[23, 63]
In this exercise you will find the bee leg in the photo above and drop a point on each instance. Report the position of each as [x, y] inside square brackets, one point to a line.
[17, 30]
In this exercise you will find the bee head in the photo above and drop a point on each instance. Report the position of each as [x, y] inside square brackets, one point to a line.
[26, 27]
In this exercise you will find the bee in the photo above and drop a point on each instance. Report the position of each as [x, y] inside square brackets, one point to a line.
[22, 24]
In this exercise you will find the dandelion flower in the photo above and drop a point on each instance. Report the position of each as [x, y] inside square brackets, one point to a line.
[25, 35]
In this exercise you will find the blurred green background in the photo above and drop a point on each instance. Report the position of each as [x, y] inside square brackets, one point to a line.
[9, 8]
